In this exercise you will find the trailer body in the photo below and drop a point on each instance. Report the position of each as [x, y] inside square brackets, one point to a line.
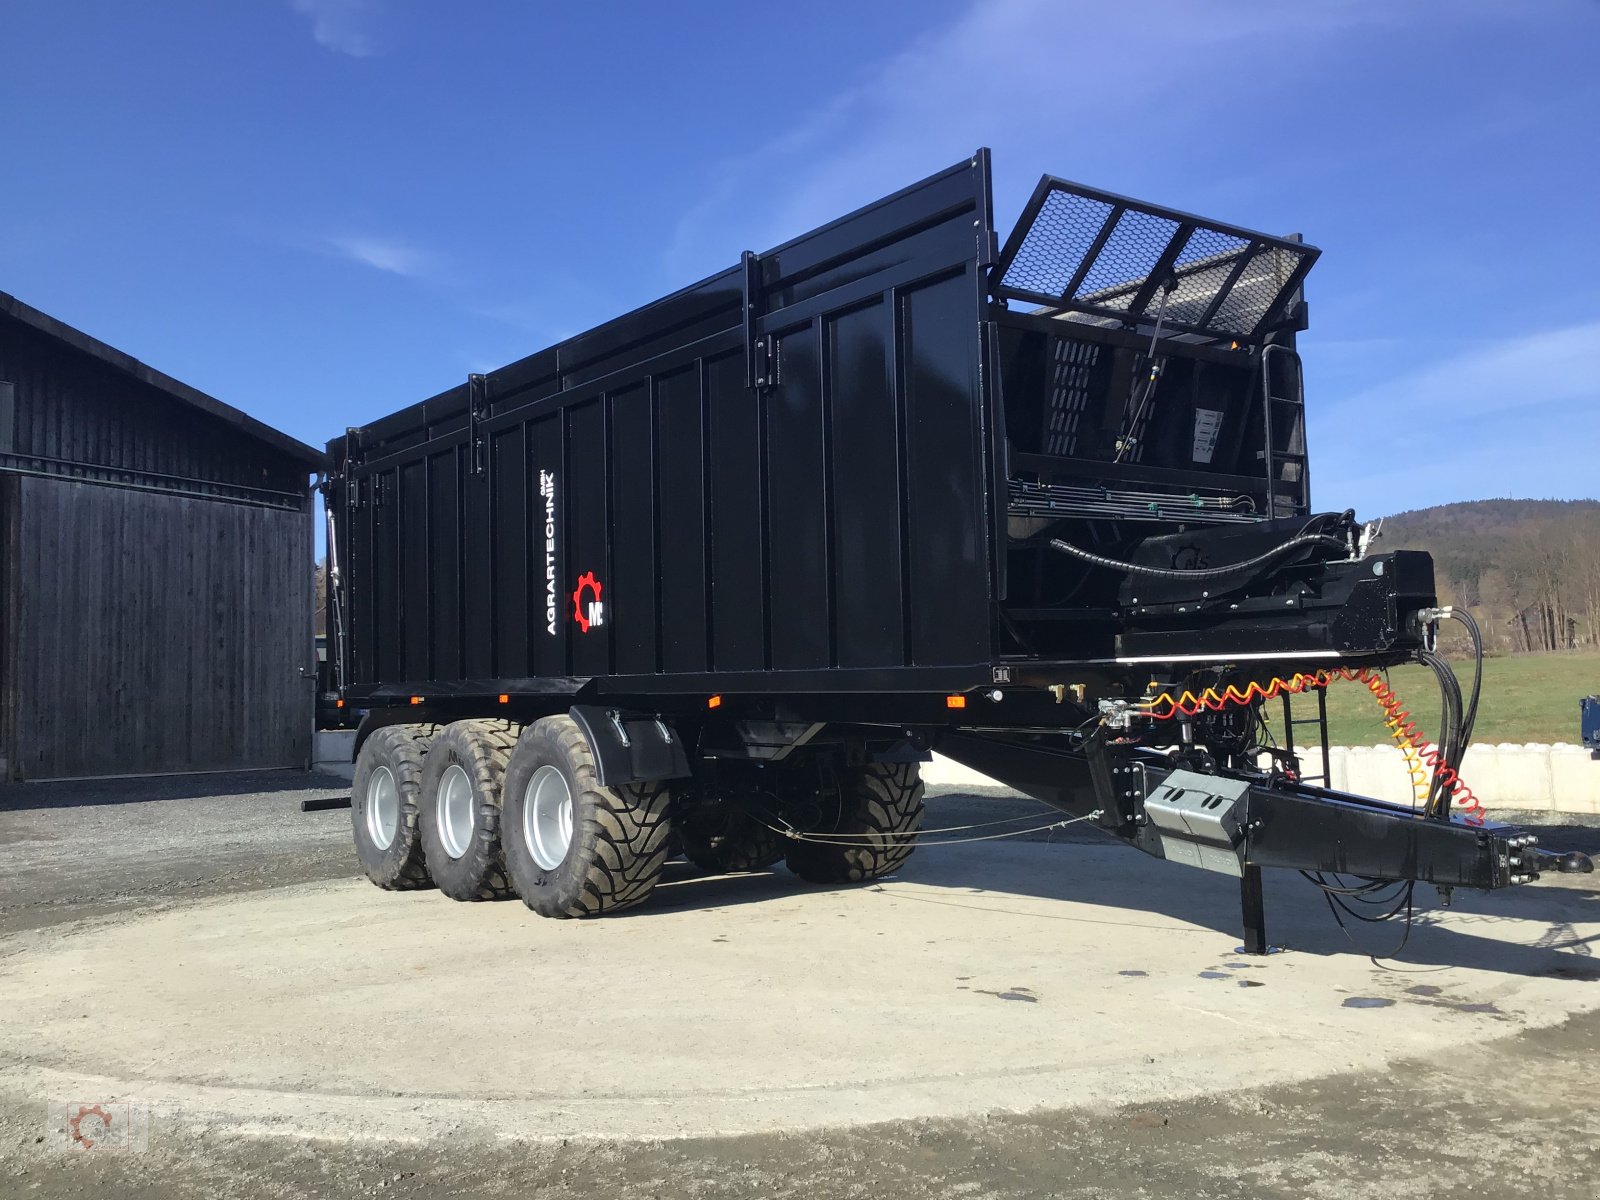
[802, 475]
[895, 485]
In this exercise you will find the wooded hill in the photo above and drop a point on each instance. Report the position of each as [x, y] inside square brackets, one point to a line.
[1529, 569]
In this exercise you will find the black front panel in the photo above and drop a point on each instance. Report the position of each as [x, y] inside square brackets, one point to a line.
[519, 527]
[632, 587]
[867, 477]
[944, 472]
[444, 574]
[682, 501]
[414, 582]
[738, 579]
[797, 505]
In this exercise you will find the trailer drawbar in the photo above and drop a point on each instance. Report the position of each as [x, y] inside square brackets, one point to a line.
[717, 576]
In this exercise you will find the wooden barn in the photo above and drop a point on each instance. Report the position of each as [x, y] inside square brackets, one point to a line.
[156, 562]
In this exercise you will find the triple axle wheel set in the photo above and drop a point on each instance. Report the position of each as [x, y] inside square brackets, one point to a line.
[488, 808]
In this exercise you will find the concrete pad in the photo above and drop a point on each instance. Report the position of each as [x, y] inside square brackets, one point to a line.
[986, 977]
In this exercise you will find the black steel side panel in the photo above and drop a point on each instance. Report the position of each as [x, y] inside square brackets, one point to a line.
[820, 532]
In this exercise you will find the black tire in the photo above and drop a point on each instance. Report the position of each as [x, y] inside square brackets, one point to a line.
[393, 756]
[466, 860]
[883, 799]
[619, 835]
[738, 843]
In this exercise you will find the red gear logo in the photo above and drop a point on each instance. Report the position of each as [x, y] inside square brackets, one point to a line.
[76, 1123]
[581, 611]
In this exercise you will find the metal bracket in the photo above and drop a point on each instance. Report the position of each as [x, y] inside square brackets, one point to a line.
[758, 356]
[352, 446]
[477, 410]
[622, 730]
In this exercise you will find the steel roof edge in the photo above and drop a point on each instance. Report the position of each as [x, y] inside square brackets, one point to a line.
[126, 363]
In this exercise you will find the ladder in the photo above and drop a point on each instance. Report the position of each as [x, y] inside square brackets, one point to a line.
[1284, 434]
[1291, 723]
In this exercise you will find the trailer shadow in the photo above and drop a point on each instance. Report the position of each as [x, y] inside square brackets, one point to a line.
[1549, 931]
[1529, 931]
[79, 793]
[685, 887]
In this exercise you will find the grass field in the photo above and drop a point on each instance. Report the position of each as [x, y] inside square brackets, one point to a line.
[1528, 699]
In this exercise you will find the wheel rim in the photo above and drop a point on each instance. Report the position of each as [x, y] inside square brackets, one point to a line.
[455, 811]
[383, 808]
[547, 817]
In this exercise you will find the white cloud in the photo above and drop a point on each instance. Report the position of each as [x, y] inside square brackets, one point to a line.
[384, 254]
[1076, 87]
[1516, 417]
[343, 26]
[1548, 367]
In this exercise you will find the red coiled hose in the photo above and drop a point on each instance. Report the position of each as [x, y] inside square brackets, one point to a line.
[1166, 707]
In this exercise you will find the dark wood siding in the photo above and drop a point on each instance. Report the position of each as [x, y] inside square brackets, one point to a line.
[155, 569]
[156, 633]
[73, 408]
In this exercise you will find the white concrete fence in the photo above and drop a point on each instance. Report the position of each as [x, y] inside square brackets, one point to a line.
[1552, 779]
[1507, 778]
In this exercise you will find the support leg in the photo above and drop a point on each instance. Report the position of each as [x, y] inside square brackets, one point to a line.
[1254, 908]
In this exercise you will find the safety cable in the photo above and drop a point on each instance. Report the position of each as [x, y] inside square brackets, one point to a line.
[912, 838]
[941, 829]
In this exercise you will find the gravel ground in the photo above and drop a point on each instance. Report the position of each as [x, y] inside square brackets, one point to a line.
[1508, 1117]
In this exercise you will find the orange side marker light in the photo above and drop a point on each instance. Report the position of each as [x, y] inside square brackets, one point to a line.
[714, 702]
[416, 699]
[955, 701]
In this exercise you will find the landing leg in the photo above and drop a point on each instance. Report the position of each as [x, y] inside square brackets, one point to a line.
[1255, 916]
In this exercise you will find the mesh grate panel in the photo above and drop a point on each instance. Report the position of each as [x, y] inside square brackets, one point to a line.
[1057, 241]
[1090, 255]
[1126, 259]
[1263, 279]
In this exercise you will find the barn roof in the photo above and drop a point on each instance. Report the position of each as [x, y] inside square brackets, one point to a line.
[127, 364]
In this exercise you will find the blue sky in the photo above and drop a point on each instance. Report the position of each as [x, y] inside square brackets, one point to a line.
[322, 210]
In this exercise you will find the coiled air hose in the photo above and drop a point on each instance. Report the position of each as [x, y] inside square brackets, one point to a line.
[1446, 785]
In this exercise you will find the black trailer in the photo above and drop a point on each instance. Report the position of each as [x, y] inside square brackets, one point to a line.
[722, 572]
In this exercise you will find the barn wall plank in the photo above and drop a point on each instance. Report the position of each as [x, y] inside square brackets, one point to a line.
[157, 633]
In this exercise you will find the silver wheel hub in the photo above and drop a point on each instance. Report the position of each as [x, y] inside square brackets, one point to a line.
[383, 808]
[547, 817]
[455, 811]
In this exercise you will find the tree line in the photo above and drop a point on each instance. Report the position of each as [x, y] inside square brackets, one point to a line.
[1529, 569]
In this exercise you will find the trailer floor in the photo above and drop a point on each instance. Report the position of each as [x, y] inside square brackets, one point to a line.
[1003, 1019]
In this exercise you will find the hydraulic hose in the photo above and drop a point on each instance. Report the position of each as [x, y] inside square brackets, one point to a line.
[1451, 747]
[1471, 716]
[1198, 573]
